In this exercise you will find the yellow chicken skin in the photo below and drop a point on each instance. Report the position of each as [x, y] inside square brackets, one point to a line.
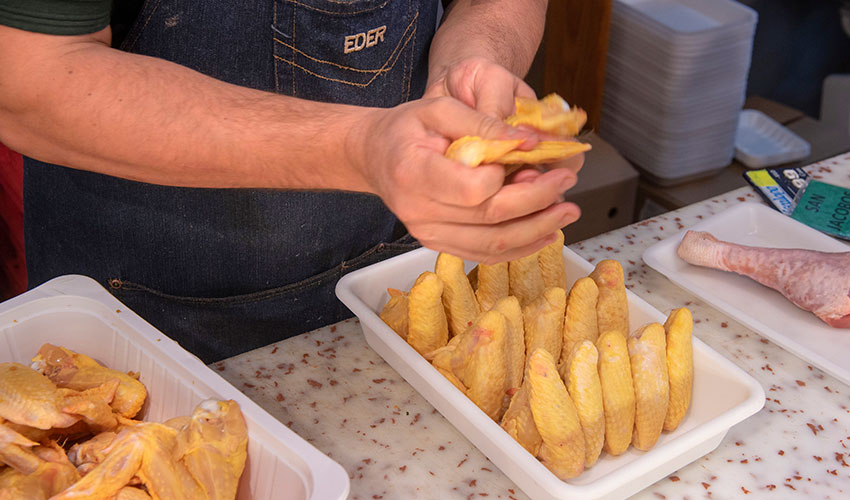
[544, 152]
[473, 150]
[30, 399]
[551, 114]
[493, 284]
[612, 306]
[16, 450]
[52, 474]
[71, 370]
[543, 320]
[145, 450]
[647, 355]
[526, 278]
[582, 379]
[514, 343]
[556, 417]
[551, 262]
[477, 360]
[459, 300]
[580, 320]
[518, 421]
[428, 327]
[214, 447]
[86, 455]
[485, 375]
[130, 493]
[202, 460]
[680, 365]
[396, 312]
[618, 392]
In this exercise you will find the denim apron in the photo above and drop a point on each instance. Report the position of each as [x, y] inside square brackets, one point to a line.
[223, 271]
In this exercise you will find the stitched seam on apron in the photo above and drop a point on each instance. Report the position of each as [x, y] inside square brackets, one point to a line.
[397, 53]
[406, 96]
[274, 23]
[139, 32]
[382, 69]
[318, 279]
[323, 11]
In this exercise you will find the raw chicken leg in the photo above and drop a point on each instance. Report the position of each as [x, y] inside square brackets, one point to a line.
[818, 282]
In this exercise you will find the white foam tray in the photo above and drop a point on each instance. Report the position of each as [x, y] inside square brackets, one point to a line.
[688, 21]
[761, 141]
[723, 394]
[77, 313]
[758, 307]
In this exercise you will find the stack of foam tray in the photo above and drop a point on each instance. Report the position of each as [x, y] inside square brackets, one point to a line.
[676, 80]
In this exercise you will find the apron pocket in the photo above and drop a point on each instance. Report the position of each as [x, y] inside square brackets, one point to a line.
[359, 52]
[214, 328]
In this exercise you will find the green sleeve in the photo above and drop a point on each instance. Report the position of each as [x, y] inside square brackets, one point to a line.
[56, 17]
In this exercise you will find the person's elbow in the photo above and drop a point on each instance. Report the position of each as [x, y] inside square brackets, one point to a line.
[33, 77]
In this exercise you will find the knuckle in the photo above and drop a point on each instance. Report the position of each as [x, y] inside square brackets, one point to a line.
[493, 214]
[472, 194]
[496, 246]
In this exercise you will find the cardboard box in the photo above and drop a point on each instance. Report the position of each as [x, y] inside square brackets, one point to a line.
[606, 192]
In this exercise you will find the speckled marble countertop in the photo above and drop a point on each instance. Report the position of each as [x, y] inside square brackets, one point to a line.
[331, 388]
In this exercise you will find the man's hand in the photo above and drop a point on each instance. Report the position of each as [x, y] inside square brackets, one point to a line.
[446, 205]
[480, 84]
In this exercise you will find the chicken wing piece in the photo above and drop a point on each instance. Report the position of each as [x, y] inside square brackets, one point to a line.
[526, 278]
[396, 312]
[52, 474]
[485, 373]
[618, 392]
[551, 262]
[582, 379]
[550, 114]
[29, 398]
[428, 327]
[580, 320]
[543, 320]
[493, 284]
[648, 358]
[680, 365]
[556, 417]
[518, 421]
[515, 341]
[72, 370]
[459, 300]
[16, 450]
[213, 447]
[612, 306]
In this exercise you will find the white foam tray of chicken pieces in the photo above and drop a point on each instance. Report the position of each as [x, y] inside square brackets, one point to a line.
[722, 394]
[783, 255]
[45, 327]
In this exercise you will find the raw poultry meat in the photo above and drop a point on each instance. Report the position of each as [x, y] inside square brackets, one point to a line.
[818, 282]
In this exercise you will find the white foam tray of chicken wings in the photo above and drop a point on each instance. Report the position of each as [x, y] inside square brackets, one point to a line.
[77, 313]
[723, 394]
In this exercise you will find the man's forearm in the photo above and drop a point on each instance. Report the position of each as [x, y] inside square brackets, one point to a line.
[92, 107]
[507, 32]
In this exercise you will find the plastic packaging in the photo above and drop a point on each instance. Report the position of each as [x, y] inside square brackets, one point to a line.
[77, 313]
[723, 394]
[676, 80]
[761, 141]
